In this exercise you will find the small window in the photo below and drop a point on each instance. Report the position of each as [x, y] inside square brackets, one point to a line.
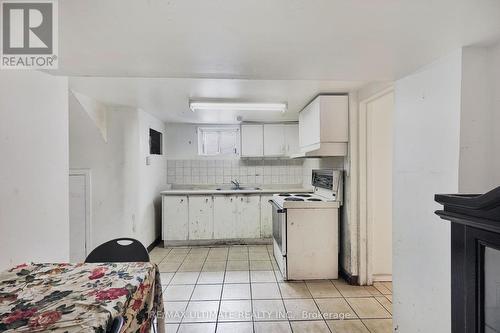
[155, 142]
[218, 141]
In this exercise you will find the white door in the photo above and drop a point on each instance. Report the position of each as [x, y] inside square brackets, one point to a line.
[248, 222]
[266, 217]
[79, 216]
[274, 139]
[175, 217]
[225, 216]
[379, 118]
[292, 139]
[252, 140]
[201, 217]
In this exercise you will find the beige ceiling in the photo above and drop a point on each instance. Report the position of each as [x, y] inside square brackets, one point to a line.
[168, 99]
[341, 40]
[157, 54]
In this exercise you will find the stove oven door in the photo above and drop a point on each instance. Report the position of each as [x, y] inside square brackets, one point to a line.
[279, 227]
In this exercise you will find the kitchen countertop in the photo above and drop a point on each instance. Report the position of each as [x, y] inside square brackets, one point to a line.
[213, 190]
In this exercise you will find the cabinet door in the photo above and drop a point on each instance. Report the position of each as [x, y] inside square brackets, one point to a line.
[309, 124]
[201, 217]
[292, 139]
[175, 217]
[266, 217]
[334, 118]
[274, 140]
[225, 216]
[248, 223]
[252, 140]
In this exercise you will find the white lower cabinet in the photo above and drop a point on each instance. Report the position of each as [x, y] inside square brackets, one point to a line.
[266, 217]
[201, 217]
[175, 217]
[248, 217]
[206, 217]
[236, 216]
[225, 216]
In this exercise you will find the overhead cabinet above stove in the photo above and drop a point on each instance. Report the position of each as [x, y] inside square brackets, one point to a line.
[324, 127]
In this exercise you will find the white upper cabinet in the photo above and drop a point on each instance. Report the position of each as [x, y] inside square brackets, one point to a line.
[274, 140]
[309, 124]
[259, 140]
[292, 139]
[324, 126]
[252, 140]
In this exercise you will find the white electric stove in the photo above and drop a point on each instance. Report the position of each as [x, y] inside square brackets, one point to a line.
[305, 228]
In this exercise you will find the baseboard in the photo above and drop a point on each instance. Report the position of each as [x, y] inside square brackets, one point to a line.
[382, 277]
[218, 242]
[154, 244]
[348, 277]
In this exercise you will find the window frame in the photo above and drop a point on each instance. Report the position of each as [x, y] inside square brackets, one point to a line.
[201, 130]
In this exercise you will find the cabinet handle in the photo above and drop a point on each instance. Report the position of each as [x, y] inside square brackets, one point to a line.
[182, 200]
[206, 200]
[231, 199]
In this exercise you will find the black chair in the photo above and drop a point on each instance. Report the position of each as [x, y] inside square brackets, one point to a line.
[117, 325]
[119, 250]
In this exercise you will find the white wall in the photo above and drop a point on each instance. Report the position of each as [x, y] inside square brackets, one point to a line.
[34, 168]
[494, 61]
[152, 180]
[379, 142]
[426, 161]
[125, 190]
[182, 142]
[114, 168]
[477, 127]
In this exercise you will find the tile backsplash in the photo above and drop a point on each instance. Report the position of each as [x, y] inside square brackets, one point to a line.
[258, 172]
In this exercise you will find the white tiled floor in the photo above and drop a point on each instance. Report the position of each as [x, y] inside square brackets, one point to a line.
[239, 289]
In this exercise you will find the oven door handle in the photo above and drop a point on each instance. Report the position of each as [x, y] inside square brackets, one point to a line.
[279, 210]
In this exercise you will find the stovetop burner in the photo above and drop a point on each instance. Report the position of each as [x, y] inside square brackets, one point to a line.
[294, 199]
[285, 195]
[303, 195]
[314, 199]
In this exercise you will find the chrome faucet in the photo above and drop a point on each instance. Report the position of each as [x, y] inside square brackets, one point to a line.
[236, 184]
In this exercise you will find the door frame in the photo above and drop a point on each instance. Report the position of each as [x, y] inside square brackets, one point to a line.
[88, 206]
[365, 235]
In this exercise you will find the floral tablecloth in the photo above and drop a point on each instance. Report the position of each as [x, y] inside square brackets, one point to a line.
[80, 297]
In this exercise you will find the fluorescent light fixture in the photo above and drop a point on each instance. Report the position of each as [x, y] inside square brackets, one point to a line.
[237, 106]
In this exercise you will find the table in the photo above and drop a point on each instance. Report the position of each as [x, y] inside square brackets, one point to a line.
[83, 297]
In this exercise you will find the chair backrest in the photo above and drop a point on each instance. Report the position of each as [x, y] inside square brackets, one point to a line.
[119, 250]
[117, 325]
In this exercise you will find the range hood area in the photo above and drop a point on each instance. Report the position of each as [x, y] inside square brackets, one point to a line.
[324, 127]
[325, 149]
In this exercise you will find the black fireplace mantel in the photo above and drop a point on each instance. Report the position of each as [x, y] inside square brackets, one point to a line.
[475, 228]
[481, 211]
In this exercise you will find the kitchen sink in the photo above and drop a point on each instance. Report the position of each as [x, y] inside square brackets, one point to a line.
[242, 188]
